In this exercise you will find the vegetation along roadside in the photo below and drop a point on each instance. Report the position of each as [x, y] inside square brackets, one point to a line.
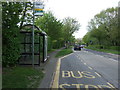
[21, 77]
[64, 52]
[108, 49]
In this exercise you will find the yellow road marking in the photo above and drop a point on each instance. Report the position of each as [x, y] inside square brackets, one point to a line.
[80, 75]
[111, 85]
[98, 74]
[56, 78]
[78, 86]
[66, 56]
[87, 74]
[61, 86]
[93, 86]
[86, 86]
[66, 74]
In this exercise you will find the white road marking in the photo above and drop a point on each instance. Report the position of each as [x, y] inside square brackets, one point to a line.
[85, 63]
[111, 85]
[98, 74]
[90, 68]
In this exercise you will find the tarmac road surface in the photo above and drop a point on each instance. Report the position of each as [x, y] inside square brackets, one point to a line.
[84, 69]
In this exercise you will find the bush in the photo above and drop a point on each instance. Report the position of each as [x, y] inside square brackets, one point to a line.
[64, 52]
[11, 47]
[49, 43]
[96, 46]
[104, 47]
[10, 32]
[115, 48]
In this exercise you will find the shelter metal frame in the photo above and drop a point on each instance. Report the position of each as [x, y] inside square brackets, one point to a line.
[39, 33]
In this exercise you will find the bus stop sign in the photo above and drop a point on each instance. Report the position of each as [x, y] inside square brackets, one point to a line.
[38, 9]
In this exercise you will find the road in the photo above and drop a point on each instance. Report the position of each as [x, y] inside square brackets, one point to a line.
[85, 69]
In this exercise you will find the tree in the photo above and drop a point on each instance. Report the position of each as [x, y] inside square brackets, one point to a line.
[104, 28]
[26, 15]
[70, 26]
[10, 32]
[53, 27]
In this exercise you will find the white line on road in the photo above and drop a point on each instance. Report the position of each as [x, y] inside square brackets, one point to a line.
[102, 56]
[107, 57]
[90, 68]
[111, 85]
[98, 74]
[113, 59]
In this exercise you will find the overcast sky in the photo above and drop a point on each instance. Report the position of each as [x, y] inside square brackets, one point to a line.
[82, 10]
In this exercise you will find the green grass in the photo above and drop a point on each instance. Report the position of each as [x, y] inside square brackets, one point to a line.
[50, 51]
[105, 50]
[64, 52]
[21, 77]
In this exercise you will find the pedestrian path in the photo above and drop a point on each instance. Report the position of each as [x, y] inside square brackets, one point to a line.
[49, 69]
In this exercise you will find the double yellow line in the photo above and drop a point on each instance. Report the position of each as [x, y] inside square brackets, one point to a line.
[55, 83]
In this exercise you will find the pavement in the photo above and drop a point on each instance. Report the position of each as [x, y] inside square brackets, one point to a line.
[49, 68]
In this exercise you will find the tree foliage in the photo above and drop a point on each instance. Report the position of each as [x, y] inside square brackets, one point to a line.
[59, 31]
[16, 14]
[70, 25]
[52, 27]
[10, 32]
[26, 14]
[103, 28]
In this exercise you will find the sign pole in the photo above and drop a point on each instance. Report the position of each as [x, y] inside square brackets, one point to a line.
[37, 11]
[33, 39]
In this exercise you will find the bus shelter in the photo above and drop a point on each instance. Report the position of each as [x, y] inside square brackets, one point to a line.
[40, 45]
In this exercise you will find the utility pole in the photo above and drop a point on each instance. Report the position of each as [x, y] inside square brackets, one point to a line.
[33, 39]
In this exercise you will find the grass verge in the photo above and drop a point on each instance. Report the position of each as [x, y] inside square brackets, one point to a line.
[105, 50]
[64, 52]
[21, 77]
[51, 50]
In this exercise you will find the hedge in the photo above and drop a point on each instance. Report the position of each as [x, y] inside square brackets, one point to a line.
[11, 46]
[10, 32]
[105, 47]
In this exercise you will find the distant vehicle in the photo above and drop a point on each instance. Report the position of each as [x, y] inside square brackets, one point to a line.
[77, 47]
[82, 46]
